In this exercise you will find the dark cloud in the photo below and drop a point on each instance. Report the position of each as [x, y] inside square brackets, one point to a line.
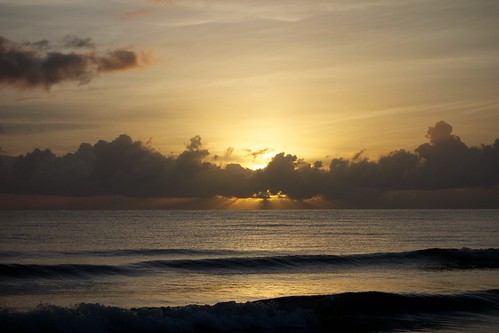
[78, 42]
[441, 173]
[226, 156]
[26, 67]
[258, 153]
[117, 60]
[190, 162]
[440, 132]
[40, 44]
[228, 152]
[448, 162]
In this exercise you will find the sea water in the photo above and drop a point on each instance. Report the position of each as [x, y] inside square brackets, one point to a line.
[295, 270]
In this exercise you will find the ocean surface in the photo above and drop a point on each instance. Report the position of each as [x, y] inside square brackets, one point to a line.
[249, 271]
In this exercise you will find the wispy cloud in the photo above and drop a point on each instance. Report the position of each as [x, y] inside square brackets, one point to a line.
[257, 153]
[137, 13]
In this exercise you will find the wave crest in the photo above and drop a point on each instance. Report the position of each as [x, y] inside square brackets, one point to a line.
[428, 259]
[360, 312]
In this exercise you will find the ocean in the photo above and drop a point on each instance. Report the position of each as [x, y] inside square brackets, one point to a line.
[249, 271]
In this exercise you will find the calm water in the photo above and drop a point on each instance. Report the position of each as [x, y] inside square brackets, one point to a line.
[174, 258]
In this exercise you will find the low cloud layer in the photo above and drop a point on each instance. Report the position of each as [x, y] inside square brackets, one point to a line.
[27, 66]
[443, 172]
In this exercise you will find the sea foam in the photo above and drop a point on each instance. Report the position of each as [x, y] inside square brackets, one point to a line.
[359, 312]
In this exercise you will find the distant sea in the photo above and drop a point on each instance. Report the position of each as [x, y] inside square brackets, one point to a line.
[249, 271]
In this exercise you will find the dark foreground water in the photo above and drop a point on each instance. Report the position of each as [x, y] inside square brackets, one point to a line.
[249, 271]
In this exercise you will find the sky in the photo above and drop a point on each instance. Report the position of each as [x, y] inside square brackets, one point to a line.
[320, 80]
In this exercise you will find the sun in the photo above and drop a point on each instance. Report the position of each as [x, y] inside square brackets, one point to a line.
[260, 161]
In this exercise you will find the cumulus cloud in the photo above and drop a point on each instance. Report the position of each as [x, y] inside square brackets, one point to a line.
[441, 173]
[25, 67]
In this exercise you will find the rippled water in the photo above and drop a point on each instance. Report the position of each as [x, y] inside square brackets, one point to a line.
[175, 258]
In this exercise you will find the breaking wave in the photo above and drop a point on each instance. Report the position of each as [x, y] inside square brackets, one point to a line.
[350, 312]
[429, 259]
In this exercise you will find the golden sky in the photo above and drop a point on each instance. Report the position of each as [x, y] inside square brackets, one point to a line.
[318, 78]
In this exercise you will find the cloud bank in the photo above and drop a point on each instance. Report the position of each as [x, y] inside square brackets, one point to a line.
[26, 66]
[444, 172]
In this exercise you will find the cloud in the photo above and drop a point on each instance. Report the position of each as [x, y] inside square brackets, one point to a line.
[137, 13]
[258, 153]
[226, 156]
[117, 60]
[25, 67]
[441, 173]
[228, 152]
[447, 161]
[440, 132]
[41, 44]
[169, 2]
[77, 42]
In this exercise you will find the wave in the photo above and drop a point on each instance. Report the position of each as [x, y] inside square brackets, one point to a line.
[347, 312]
[156, 252]
[126, 253]
[56, 271]
[429, 259]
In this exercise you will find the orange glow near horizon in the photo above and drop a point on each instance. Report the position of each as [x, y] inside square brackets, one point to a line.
[275, 201]
[272, 201]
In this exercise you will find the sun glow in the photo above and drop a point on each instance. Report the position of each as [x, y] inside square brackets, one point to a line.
[258, 161]
[268, 200]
